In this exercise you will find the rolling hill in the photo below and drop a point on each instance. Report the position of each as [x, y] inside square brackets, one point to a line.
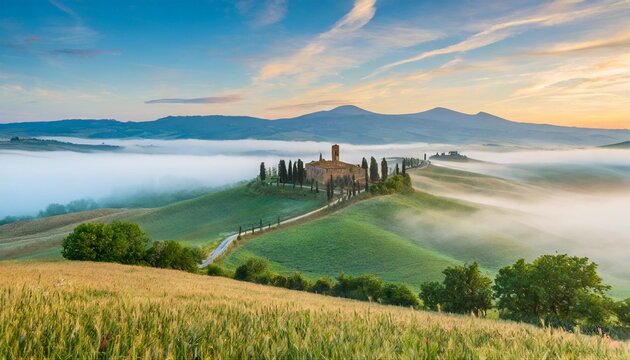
[438, 125]
[199, 221]
[99, 310]
[407, 238]
[621, 145]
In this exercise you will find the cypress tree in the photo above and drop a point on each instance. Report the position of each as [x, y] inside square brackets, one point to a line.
[397, 170]
[290, 174]
[321, 157]
[301, 176]
[263, 172]
[384, 169]
[295, 173]
[404, 168]
[366, 179]
[282, 171]
[317, 187]
[364, 164]
[373, 170]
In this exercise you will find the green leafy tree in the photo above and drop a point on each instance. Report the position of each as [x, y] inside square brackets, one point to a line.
[559, 289]
[254, 270]
[297, 281]
[432, 294]
[89, 242]
[129, 242]
[172, 255]
[395, 294]
[622, 310]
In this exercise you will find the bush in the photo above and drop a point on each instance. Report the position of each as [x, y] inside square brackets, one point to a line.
[254, 270]
[394, 294]
[394, 184]
[323, 285]
[297, 281]
[118, 242]
[622, 310]
[280, 281]
[172, 255]
[365, 287]
[216, 270]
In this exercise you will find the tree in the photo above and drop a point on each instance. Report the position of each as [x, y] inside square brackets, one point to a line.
[254, 270]
[88, 241]
[384, 169]
[263, 172]
[300, 171]
[467, 290]
[622, 310]
[118, 242]
[297, 281]
[294, 179]
[373, 170]
[317, 187]
[364, 164]
[560, 289]
[172, 255]
[290, 174]
[432, 294]
[396, 170]
[367, 185]
[394, 294]
[282, 171]
[404, 167]
[321, 157]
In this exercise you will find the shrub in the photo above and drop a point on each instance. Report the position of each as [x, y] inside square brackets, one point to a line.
[297, 281]
[394, 294]
[394, 184]
[172, 255]
[254, 270]
[622, 310]
[365, 287]
[323, 285]
[279, 281]
[217, 270]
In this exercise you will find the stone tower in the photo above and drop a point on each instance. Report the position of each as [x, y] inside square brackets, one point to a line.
[335, 152]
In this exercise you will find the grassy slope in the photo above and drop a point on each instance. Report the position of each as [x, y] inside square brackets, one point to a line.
[71, 309]
[202, 220]
[405, 238]
[40, 238]
[211, 217]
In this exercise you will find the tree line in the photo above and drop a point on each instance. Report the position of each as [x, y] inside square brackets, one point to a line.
[364, 287]
[126, 243]
[553, 290]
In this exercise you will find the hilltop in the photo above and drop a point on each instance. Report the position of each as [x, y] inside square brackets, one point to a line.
[32, 144]
[346, 124]
[70, 309]
[621, 145]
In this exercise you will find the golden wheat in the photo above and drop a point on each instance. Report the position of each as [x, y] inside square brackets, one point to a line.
[96, 310]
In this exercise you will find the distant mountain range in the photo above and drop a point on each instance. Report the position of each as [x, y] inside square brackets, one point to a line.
[621, 145]
[346, 124]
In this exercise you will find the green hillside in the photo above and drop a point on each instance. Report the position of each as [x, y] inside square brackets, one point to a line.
[211, 217]
[405, 238]
[199, 221]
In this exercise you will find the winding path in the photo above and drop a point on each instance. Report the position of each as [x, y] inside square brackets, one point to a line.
[225, 243]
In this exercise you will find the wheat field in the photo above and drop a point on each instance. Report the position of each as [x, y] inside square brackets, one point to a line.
[63, 310]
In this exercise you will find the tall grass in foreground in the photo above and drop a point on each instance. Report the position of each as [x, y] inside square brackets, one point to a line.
[97, 310]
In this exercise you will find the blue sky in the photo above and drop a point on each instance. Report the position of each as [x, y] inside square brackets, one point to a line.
[562, 62]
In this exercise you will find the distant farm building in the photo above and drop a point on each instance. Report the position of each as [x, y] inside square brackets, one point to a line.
[322, 170]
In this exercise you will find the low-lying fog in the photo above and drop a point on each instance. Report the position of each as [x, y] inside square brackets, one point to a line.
[584, 194]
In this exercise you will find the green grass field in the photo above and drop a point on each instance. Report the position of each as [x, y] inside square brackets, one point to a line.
[406, 238]
[82, 310]
[199, 221]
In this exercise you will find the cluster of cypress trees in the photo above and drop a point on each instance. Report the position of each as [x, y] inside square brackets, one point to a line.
[294, 173]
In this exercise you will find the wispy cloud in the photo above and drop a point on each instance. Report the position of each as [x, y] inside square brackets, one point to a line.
[302, 61]
[266, 12]
[203, 100]
[82, 53]
[608, 43]
[553, 14]
[309, 105]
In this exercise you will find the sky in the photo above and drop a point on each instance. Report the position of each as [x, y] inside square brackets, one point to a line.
[564, 62]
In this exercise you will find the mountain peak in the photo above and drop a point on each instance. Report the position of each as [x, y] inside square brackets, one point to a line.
[349, 110]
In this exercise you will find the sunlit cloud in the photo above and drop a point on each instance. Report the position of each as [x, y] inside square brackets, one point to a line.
[554, 14]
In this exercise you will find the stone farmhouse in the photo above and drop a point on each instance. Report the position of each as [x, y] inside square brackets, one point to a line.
[322, 170]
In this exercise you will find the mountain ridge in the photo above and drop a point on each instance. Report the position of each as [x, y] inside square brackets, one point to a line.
[346, 123]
